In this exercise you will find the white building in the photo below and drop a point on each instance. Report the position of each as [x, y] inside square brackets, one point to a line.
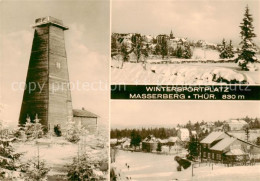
[183, 134]
[236, 125]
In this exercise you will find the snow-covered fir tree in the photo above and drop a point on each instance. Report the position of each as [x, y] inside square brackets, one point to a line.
[247, 56]
[35, 169]
[230, 50]
[82, 169]
[187, 53]
[137, 45]
[223, 50]
[9, 159]
[72, 132]
[34, 129]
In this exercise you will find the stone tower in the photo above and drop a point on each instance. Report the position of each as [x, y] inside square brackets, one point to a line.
[47, 92]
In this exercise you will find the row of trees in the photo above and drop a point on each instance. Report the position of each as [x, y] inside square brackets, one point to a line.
[161, 133]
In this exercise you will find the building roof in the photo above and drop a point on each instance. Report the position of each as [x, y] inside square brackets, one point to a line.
[213, 136]
[183, 130]
[173, 139]
[235, 121]
[236, 152]
[50, 20]
[113, 141]
[223, 144]
[83, 113]
[151, 139]
[193, 132]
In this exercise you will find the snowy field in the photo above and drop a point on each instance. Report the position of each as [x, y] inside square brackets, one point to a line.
[147, 166]
[186, 73]
[57, 152]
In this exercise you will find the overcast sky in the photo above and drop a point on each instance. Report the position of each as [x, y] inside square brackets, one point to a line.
[87, 45]
[126, 114]
[211, 20]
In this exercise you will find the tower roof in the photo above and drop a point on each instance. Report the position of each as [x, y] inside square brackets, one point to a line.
[50, 20]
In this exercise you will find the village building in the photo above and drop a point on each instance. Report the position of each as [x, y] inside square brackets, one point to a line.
[210, 141]
[162, 37]
[236, 125]
[113, 142]
[175, 144]
[124, 143]
[193, 133]
[183, 134]
[220, 146]
[150, 144]
[173, 139]
[85, 119]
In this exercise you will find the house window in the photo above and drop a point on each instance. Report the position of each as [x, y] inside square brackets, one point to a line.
[212, 156]
[209, 155]
[58, 65]
[204, 154]
[204, 145]
[218, 157]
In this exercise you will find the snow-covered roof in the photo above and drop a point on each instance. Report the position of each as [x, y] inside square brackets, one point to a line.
[223, 144]
[236, 152]
[173, 139]
[235, 121]
[150, 139]
[193, 132]
[213, 136]
[163, 140]
[113, 141]
[124, 139]
[184, 130]
[83, 113]
[127, 142]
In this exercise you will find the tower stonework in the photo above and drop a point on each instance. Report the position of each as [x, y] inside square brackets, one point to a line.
[47, 92]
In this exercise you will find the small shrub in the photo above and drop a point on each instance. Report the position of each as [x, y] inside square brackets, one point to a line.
[57, 130]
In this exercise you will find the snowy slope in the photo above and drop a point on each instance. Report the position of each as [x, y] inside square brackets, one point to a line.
[134, 73]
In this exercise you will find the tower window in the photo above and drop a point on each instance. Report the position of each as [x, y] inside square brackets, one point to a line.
[58, 65]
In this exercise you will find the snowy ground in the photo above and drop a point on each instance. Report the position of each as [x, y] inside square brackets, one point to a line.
[58, 152]
[147, 166]
[186, 73]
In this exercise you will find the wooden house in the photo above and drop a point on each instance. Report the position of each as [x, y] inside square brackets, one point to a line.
[220, 146]
[85, 119]
[150, 144]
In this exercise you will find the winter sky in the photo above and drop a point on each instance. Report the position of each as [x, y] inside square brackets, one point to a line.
[210, 20]
[86, 44]
[137, 114]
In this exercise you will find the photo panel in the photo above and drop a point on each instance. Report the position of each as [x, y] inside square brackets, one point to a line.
[190, 42]
[54, 90]
[185, 140]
